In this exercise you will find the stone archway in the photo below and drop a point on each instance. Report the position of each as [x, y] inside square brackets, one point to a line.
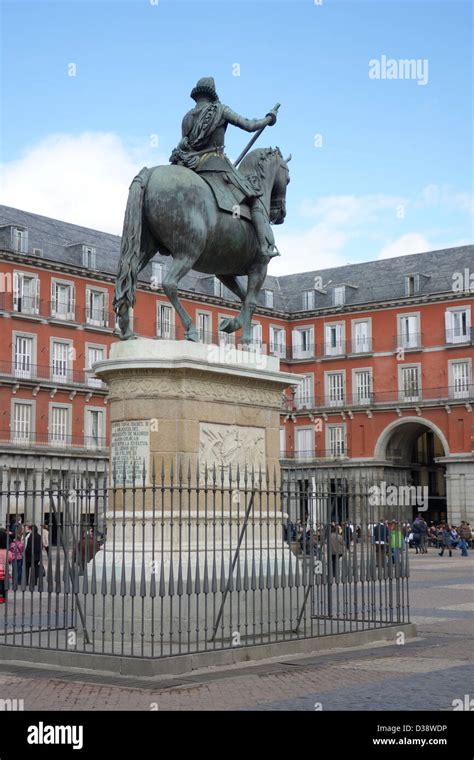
[414, 449]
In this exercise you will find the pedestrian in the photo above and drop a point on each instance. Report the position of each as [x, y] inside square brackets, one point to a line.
[418, 530]
[45, 537]
[32, 554]
[5, 560]
[465, 537]
[336, 542]
[396, 541]
[446, 540]
[17, 548]
[382, 541]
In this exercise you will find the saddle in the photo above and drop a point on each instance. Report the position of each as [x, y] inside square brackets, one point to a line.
[216, 174]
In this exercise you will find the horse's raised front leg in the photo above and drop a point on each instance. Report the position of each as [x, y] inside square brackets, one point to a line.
[256, 278]
[232, 324]
[178, 269]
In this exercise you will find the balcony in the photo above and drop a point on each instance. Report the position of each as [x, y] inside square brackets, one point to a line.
[408, 342]
[337, 453]
[393, 398]
[24, 439]
[97, 318]
[458, 337]
[57, 374]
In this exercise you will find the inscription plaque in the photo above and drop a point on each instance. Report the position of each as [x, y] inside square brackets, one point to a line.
[130, 446]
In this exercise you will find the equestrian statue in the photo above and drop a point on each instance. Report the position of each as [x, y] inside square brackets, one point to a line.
[205, 214]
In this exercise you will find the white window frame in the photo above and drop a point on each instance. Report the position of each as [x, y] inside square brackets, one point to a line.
[282, 442]
[308, 300]
[89, 257]
[207, 338]
[157, 271]
[23, 439]
[20, 239]
[89, 443]
[413, 338]
[92, 318]
[340, 447]
[401, 390]
[218, 288]
[268, 298]
[24, 372]
[339, 295]
[66, 440]
[329, 349]
[91, 379]
[298, 352]
[451, 338]
[18, 297]
[308, 432]
[169, 332]
[303, 399]
[278, 348]
[69, 315]
[409, 278]
[329, 387]
[367, 344]
[357, 397]
[257, 335]
[58, 377]
[460, 393]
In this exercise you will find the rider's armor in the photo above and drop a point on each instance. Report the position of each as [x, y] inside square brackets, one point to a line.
[202, 149]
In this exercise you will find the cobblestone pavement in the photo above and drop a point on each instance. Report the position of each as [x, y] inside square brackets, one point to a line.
[423, 674]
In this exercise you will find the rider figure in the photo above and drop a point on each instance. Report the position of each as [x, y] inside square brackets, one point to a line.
[203, 131]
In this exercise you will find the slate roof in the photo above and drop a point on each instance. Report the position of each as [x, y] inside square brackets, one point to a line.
[367, 282]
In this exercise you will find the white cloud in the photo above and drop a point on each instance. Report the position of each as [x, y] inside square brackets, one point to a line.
[434, 196]
[319, 247]
[352, 210]
[82, 179]
[412, 242]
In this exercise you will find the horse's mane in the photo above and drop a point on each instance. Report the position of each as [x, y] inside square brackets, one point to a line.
[254, 162]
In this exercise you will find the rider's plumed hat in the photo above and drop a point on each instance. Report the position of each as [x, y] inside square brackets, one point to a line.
[205, 86]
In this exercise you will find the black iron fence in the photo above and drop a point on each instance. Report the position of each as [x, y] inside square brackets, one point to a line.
[170, 562]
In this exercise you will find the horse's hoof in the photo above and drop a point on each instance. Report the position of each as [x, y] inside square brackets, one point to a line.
[229, 325]
[192, 334]
[129, 336]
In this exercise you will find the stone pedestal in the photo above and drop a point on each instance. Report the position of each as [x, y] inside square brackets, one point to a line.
[195, 499]
[184, 402]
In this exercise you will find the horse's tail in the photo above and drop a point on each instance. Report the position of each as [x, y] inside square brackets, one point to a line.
[130, 251]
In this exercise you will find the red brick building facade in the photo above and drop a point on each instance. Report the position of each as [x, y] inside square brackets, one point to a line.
[385, 348]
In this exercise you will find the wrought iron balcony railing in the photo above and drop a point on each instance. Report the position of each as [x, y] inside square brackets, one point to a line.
[336, 453]
[25, 439]
[22, 369]
[412, 395]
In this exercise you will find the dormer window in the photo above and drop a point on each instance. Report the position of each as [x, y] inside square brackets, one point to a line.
[412, 284]
[308, 299]
[88, 257]
[339, 295]
[218, 288]
[20, 239]
[156, 274]
[268, 296]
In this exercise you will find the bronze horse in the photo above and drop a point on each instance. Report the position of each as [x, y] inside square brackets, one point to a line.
[172, 210]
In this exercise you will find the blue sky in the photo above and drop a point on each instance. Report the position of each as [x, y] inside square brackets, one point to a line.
[393, 173]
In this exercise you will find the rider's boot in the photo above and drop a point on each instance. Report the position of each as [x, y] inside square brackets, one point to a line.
[264, 232]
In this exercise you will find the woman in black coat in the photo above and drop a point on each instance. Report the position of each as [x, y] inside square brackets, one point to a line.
[32, 555]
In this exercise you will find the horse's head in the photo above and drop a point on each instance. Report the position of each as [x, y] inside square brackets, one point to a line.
[278, 196]
[270, 170]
